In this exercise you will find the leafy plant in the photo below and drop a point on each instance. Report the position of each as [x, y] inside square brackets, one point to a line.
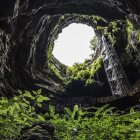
[83, 72]
[17, 113]
[99, 125]
[51, 114]
[76, 114]
[80, 124]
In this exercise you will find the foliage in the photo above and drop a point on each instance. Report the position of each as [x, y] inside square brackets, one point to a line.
[17, 113]
[83, 72]
[55, 70]
[99, 125]
[133, 42]
[114, 30]
[62, 22]
[131, 28]
[80, 124]
[51, 114]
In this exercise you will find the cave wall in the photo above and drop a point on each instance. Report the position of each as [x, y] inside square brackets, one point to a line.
[25, 37]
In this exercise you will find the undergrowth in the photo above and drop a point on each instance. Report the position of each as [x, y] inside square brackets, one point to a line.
[19, 112]
[102, 123]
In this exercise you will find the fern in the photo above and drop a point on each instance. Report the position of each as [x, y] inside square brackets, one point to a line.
[99, 125]
[100, 110]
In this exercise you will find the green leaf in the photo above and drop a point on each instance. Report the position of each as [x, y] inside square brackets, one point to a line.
[99, 111]
[108, 110]
[52, 109]
[39, 105]
[24, 104]
[20, 92]
[41, 98]
[75, 111]
[34, 92]
[4, 101]
[27, 102]
[76, 108]
[68, 111]
[132, 110]
[46, 98]
[11, 111]
[17, 105]
[29, 95]
[16, 98]
[39, 91]
[41, 118]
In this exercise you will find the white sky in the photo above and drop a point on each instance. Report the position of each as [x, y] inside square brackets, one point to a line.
[73, 44]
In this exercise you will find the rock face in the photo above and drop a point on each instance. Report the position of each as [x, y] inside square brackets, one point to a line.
[25, 36]
[39, 132]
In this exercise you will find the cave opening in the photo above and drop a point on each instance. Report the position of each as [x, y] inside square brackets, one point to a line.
[73, 44]
[84, 77]
[41, 96]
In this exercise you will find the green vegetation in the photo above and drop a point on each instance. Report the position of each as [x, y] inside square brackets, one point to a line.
[83, 72]
[17, 112]
[53, 68]
[80, 124]
[133, 42]
[118, 31]
[93, 43]
[114, 30]
[101, 124]
[131, 28]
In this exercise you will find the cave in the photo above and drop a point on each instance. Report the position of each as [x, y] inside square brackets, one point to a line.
[28, 30]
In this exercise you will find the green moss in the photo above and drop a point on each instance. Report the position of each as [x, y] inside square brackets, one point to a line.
[96, 65]
[93, 43]
[49, 53]
[132, 28]
[113, 30]
[129, 28]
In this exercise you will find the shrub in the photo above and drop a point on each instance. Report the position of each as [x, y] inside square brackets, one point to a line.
[17, 113]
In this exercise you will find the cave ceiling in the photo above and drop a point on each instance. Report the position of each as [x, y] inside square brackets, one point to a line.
[27, 35]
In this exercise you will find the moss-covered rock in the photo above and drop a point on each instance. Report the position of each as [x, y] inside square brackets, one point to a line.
[42, 131]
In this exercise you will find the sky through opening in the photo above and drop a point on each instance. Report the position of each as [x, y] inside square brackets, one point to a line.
[73, 44]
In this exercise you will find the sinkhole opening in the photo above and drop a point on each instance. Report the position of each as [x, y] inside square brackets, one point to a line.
[73, 44]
